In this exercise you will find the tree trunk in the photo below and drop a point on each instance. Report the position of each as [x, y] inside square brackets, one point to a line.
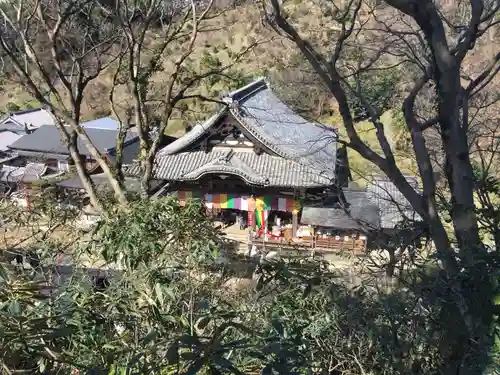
[147, 173]
[115, 184]
[82, 173]
[119, 155]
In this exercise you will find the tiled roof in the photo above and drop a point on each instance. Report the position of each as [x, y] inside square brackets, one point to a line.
[274, 124]
[131, 184]
[262, 170]
[8, 157]
[102, 123]
[32, 172]
[7, 138]
[32, 118]
[271, 121]
[361, 213]
[192, 136]
[11, 126]
[392, 204]
[47, 139]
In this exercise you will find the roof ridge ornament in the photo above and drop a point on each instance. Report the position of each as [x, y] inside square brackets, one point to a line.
[234, 106]
[247, 90]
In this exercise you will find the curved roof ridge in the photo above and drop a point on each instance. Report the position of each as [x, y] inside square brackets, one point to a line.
[271, 170]
[226, 162]
[273, 123]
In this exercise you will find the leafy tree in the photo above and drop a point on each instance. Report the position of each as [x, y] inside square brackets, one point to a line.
[433, 42]
[57, 50]
[12, 107]
[379, 89]
[168, 306]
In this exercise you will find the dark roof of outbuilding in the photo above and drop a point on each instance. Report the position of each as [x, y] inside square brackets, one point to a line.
[392, 204]
[361, 213]
[381, 205]
[260, 170]
[47, 139]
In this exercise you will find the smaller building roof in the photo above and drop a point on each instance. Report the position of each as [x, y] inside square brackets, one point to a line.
[102, 123]
[47, 139]
[361, 213]
[31, 118]
[9, 157]
[381, 205]
[32, 172]
[7, 138]
[392, 204]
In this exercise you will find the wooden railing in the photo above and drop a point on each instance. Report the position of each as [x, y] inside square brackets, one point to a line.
[312, 243]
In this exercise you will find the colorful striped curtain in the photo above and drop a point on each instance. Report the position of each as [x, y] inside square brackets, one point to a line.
[234, 202]
[223, 200]
[244, 203]
[252, 204]
[266, 203]
[261, 217]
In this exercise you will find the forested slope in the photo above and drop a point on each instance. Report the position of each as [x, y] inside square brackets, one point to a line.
[274, 56]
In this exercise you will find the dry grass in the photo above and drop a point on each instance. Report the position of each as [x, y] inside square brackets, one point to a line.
[360, 168]
[233, 30]
[26, 236]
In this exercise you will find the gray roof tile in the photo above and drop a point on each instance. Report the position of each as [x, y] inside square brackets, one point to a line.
[31, 118]
[32, 172]
[102, 123]
[192, 136]
[278, 126]
[255, 169]
[74, 182]
[392, 204]
[7, 138]
[46, 139]
[361, 213]
[12, 127]
[272, 122]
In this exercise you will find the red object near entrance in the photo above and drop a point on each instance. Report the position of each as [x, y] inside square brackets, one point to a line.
[251, 219]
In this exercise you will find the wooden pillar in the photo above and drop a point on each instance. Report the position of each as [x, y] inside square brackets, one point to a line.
[251, 212]
[295, 223]
[251, 219]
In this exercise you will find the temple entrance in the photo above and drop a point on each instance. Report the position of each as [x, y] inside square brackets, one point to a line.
[231, 217]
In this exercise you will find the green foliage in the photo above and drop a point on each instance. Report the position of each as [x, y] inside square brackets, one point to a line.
[210, 61]
[159, 233]
[169, 309]
[377, 87]
[12, 107]
[402, 137]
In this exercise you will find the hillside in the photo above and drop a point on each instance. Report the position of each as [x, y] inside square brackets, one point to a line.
[275, 58]
[228, 37]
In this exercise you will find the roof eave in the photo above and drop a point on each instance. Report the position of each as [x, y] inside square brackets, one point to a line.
[178, 145]
[11, 119]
